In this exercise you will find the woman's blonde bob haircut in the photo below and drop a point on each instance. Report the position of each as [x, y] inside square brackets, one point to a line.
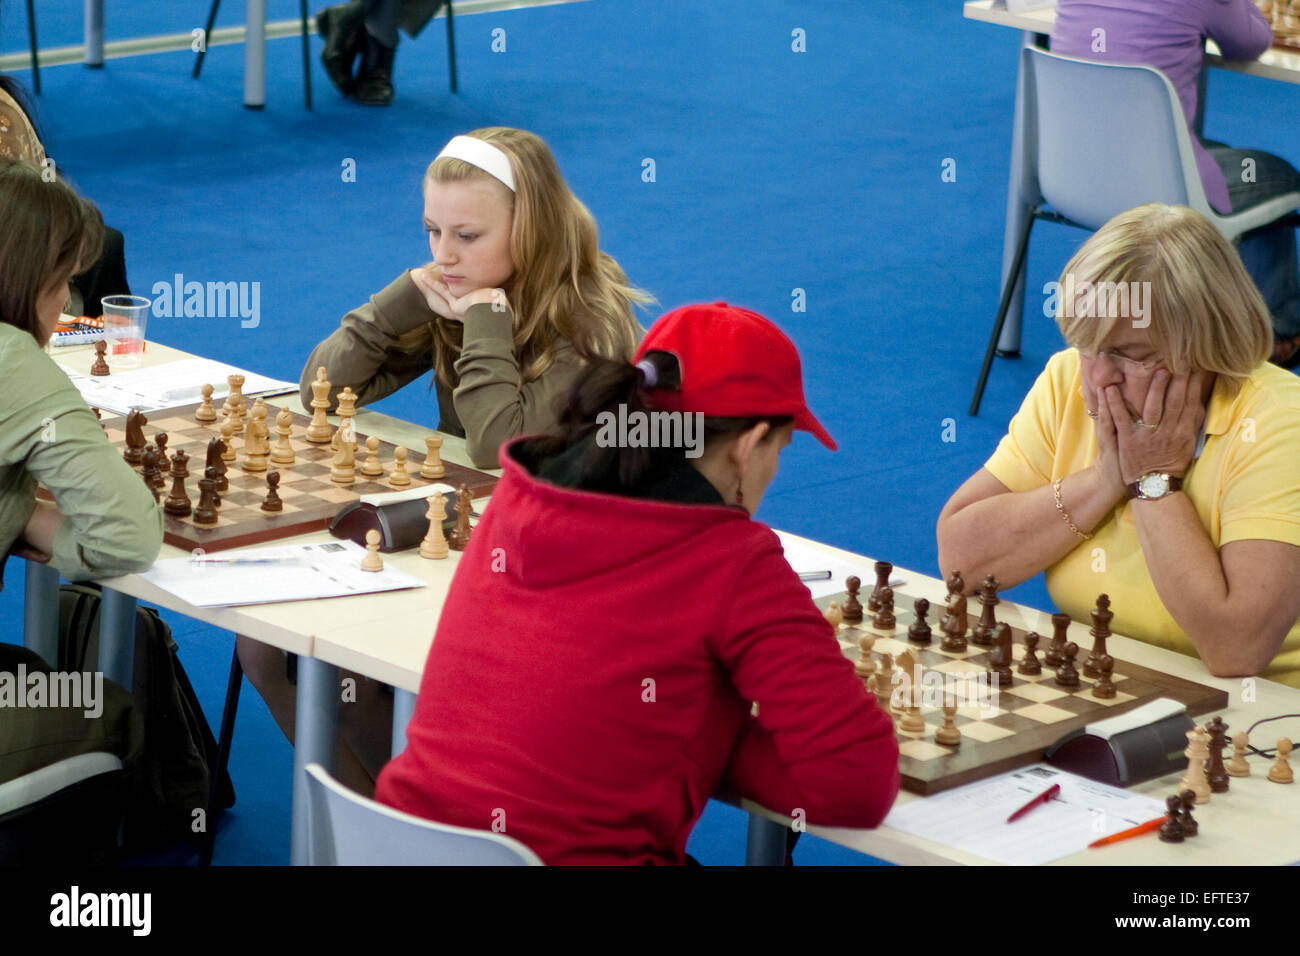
[1204, 311]
[563, 285]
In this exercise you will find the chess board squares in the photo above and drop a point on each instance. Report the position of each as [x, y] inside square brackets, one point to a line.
[919, 749]
[983, 731]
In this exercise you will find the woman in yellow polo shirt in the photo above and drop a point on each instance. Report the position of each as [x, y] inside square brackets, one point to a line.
[1157, 459]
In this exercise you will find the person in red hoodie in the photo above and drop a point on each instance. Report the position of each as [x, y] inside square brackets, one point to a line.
[618, 612]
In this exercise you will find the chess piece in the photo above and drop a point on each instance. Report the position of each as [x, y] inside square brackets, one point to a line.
[149, 472]
[1055, 655]
[216, 459]
[343, 469]
[957, 594]
[908, 692]
[948, 734]
[1197, 751]
[1067, 675]
[177, 503]
[912, 722]
[1237, 766]
[1186, 798]
[1104, 689]
[953, 625]
[955, 584]
[1100, 630]
[256, 445]
[883, 570]
[1029, 665]
[160, 439]
[372, 467]
[236, 403]
[983, 632]
[100, 365]
[283, 453]
[1215, 772]
[1171, 831]
[1280, 772]
[372, 561]
[228, 440]
[884, 619]
[346, 403]
[206, 510]
[434, 545]
[218, 476]
[318, 431]
[205, 412]
[834, 616]
[135, 440]
[433, 467]
[273, 502]
[460, 534]
[865, 665]
[884, 687]
[919, 631]
[400, 477]
[1002, 656]
[851, 608]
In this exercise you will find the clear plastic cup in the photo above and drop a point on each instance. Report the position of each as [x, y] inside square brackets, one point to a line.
[126, 318]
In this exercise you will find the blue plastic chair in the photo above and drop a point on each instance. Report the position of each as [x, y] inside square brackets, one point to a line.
[1101, 138]
[346, 829]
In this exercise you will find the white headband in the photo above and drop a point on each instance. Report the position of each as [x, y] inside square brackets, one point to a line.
[483, 155]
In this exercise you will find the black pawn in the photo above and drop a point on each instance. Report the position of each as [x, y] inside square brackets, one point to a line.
[1067, 675]
[851, 608]
[272, 502]
[1029, 665]
[205, 512]
[215, 474]
[919, 632]
[1171, 831]
[1190, 827]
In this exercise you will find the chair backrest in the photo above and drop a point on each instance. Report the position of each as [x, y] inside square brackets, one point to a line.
[1105, 137]
[348, 830]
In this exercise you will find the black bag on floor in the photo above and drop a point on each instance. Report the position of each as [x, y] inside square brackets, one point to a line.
[175, 769]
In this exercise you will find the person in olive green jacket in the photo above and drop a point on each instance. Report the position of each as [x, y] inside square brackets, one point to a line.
[103, 521]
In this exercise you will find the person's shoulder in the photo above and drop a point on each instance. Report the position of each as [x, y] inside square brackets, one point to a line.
[1269, 389]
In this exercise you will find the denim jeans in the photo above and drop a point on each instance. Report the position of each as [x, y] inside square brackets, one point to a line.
[1270, 256]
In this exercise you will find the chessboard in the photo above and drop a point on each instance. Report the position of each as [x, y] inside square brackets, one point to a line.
[1284, 17]
[1002, 728]
[310, 498]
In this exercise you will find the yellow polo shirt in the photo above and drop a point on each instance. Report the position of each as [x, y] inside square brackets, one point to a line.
[1245, 485]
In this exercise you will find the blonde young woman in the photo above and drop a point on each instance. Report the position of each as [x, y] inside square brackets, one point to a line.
[517, 298]
[518, 295]
[1156, 460]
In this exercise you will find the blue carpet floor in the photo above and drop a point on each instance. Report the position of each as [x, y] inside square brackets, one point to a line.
[775, 171]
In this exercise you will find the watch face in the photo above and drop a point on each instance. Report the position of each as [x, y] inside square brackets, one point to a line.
[1153, 486]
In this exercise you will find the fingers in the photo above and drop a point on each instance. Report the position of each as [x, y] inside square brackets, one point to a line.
[1154, 407]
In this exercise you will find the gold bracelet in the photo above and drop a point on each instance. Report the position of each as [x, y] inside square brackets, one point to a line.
[1056, 490]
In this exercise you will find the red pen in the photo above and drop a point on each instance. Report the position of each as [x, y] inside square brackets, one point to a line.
[1049, 794]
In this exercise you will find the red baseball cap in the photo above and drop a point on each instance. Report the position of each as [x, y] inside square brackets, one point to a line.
[734, 364]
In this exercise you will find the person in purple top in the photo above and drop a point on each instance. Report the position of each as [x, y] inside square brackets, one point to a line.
[1169, 35]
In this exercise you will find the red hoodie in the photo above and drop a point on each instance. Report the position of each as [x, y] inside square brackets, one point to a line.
[590, 680]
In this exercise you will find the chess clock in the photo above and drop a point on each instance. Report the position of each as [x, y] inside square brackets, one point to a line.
[1143, 744]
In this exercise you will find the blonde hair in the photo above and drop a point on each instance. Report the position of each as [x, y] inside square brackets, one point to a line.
[563, 286]
[1204, 310]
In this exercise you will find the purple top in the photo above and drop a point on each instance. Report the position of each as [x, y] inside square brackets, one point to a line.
[1168, 35]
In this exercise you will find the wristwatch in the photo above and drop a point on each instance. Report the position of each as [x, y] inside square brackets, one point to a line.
[1154, 485]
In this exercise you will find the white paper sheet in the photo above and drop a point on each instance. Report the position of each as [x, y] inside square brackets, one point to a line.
[321, 570]
[805, 559]
[170, 385]
[974, 818]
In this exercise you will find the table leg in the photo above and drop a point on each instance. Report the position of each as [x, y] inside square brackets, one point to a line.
[93, 28]
[117, 637]
[403, 708]
[1021, 195]
[315, 733]
[255, 55]
[41, 611]
[764, 842]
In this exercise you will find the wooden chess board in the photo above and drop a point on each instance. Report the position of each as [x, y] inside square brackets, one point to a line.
[311, 499]
[1009, 727]
[1284, 17]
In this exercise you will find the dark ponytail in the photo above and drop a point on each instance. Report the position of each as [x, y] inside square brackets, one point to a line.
[604, 386]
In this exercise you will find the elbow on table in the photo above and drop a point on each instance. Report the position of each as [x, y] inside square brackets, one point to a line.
[482, 453]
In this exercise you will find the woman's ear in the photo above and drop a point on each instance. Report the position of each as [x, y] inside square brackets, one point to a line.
[742, 449]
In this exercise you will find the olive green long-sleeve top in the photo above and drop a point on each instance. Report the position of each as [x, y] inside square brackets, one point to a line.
[49, 436]
[488, 404]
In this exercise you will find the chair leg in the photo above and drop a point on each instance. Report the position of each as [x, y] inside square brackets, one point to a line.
[31, 32]
[451, 47]
[207, 33]
[233, 685]
[1017, 264]
[306, 56]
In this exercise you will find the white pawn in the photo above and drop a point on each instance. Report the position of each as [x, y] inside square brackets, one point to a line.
[865, 665]
[834, 615]
[1237, 766]
[434, 544]
[399, 476]
[1280, 772]
[948, 734]
[372, 561]
[205, 412]
[371, 466]
[283, 453]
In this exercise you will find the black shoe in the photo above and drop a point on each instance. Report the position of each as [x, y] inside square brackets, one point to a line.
[341, 27]
[374, 86]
